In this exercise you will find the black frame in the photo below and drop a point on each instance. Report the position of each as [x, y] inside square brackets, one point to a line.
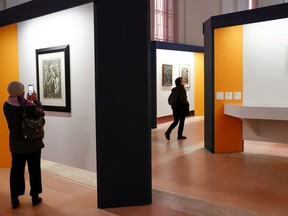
[61, 98]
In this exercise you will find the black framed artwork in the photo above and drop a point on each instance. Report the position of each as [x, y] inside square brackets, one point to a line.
[53, 78]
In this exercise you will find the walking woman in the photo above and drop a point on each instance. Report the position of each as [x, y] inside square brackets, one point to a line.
[180, 109]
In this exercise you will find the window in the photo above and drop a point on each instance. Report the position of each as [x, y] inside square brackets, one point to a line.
[163, 25]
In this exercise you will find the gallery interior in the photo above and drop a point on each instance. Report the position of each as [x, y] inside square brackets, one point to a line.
[105, 136]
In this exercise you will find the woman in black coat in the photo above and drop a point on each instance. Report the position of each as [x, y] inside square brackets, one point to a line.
[22, 149]
[180, 109]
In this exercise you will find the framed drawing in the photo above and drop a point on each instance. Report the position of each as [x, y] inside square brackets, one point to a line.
[166, 75]
[184, 72]
[53, 78]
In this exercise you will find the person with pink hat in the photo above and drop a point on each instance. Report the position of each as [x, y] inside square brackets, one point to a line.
[23, 150]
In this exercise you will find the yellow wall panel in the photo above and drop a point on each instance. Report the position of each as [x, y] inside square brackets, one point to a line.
[228, 73]
[199, 85]
[8, 72]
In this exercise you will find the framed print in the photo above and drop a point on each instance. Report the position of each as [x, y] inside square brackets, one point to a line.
[184, 72]
[53, 78]
[166, 75]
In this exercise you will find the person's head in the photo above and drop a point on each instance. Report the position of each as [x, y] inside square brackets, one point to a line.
[15, 88]
[179, 81]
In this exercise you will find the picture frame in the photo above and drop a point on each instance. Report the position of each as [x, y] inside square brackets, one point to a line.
[53, 78]
[184, 72]
[167, 75]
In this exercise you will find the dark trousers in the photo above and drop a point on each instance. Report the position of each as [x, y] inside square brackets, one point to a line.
[178, 116]
[17, 174]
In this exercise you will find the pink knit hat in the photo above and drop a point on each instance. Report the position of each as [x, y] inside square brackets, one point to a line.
[15, 88]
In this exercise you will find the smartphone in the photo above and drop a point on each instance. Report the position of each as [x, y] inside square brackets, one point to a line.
[30, 89]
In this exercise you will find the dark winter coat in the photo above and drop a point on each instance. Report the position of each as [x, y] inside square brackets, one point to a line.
[182, 102]
[13, 110]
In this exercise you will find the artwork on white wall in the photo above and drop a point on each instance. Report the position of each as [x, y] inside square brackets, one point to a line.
[53, 78]
[166, 75]
[184, 72]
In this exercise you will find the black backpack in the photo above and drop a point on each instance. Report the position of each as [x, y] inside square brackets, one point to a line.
[173, 98]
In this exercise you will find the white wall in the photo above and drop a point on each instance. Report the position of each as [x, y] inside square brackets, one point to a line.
[12, 3]
[265, 68]
[264, 3]
[230, 6]
[242, 5]
[174, 58]
[191, 14]
[69, 137]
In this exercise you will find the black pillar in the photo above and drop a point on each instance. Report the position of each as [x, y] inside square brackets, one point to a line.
[123, 109]
[209, 86]
[153, 85]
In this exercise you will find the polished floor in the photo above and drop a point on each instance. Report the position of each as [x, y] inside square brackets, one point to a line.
[187, 180]
[254, 182]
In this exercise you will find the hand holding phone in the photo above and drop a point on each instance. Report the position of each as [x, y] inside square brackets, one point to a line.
[30, 89]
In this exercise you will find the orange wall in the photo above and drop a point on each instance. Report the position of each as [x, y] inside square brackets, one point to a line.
[8, 72]
[199, 85]
[228, 78]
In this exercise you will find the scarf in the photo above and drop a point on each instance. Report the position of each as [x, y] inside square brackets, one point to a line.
[19, 101]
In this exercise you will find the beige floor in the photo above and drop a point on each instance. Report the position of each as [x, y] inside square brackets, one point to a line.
[187, 180]
[254, 182]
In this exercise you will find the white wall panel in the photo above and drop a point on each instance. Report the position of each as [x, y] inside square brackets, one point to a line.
[2, 5]
[69, 138]
[228, 6]
[264, 3]
[242, 5]
[174, 58]
[191, 16]
[12, 3]
[265, 52]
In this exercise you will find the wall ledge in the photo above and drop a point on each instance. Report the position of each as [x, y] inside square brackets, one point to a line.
[256, 112]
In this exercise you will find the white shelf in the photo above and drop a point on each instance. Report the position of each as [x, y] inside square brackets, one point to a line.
[256, 112]
[265, 123]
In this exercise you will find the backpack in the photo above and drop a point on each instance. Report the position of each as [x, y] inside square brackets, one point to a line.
[173, 98]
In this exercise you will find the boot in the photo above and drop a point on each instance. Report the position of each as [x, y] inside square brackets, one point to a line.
[15, 202]
[167, 135]
[181, 137]
[36, 200]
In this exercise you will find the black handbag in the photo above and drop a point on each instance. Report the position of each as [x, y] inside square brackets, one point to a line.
[32, 128]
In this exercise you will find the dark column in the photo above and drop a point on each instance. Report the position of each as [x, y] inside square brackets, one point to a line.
[123, 109]
[209, 86]
[153, 85]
